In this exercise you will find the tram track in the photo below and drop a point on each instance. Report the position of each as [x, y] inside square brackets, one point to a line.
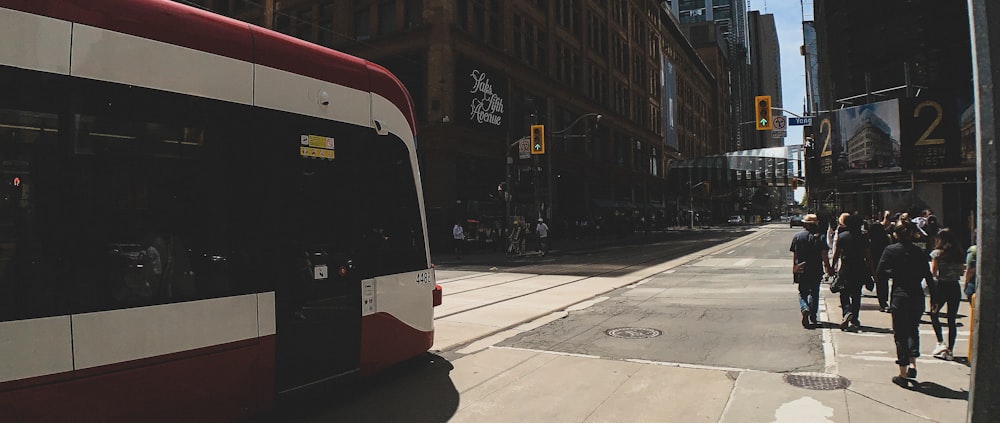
[671, 252]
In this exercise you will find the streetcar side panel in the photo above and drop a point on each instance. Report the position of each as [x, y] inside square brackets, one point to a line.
[115, 147]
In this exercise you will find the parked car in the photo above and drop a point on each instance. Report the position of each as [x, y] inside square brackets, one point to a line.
[736, 220]
[795, 220]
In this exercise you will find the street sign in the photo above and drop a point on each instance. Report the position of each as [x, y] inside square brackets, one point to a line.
[778, 122]
[800, 121]
[778, 133]
[524, 148]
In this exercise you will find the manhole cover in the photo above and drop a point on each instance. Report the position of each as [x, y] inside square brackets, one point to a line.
[817, 381]
[633, 333]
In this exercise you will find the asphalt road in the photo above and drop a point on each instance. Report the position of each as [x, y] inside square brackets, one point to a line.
[709, 331]
[487, 283]
[723, 311]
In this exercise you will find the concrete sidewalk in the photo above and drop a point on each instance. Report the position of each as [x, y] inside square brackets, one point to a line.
[501, 384]
[864, 360]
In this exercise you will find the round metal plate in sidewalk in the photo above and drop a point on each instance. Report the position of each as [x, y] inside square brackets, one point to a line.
[633, 333]
[817, 381]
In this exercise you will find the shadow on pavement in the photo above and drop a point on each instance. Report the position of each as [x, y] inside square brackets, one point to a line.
[569, 254]
[963, 361]
[417, 391]
[937, 391]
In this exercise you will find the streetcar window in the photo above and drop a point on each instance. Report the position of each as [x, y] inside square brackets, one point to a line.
[157, 195]
[125, 196]
[116, 196]
[30, 285]
[389, 189]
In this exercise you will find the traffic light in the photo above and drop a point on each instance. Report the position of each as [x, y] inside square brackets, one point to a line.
[763, 112]
[537, 139]
[795, 183]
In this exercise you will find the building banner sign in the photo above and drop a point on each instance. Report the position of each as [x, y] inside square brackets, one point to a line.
[859, 140]
[931, 138]
[669, 101]
[481, 96]
[889, 136]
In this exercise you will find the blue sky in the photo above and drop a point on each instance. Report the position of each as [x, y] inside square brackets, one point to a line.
[788, 21]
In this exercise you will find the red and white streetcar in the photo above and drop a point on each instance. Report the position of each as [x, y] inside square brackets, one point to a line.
[197, 215]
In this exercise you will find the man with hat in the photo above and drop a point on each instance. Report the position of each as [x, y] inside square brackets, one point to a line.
[810, 259]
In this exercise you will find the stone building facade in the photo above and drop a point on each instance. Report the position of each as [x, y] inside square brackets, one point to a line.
[481, 72]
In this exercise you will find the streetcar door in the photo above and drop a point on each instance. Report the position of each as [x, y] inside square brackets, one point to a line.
[319, 320]
[318, 289]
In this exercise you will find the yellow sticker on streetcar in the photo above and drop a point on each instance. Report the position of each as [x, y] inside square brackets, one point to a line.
[316, 146]
[316, 152]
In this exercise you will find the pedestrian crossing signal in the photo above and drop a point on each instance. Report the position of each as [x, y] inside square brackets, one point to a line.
[763, 108]
[537, 139]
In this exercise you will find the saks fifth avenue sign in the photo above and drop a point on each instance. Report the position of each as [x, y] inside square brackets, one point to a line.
[486, 106]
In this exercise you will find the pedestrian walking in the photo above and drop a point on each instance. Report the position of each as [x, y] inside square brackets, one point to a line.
[810, 260]
[947, 266]
[543, 236]
[878, 235]
[906, 264]
[855, 268]
[458, 234]
[969, 279]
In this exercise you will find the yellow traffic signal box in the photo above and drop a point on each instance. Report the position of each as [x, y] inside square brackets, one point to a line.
[763, 108]
[537, 139]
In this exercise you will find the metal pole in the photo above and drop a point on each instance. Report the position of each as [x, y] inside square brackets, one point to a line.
[534, 172]
[984, 386]
[691, 197]
[506, 192]
[549, 183]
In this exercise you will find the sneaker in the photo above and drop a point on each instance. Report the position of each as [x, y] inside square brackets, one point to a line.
[847, 320]
[805, 319]
[948, 356]
[939, 349]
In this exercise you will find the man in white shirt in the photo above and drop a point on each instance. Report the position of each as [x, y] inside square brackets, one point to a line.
[458, 233]
[543, 236]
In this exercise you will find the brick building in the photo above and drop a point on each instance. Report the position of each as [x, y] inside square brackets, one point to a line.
[482, 71]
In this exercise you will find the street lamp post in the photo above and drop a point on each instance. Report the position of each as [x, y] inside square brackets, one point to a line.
[691, 196]
[507, 187]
